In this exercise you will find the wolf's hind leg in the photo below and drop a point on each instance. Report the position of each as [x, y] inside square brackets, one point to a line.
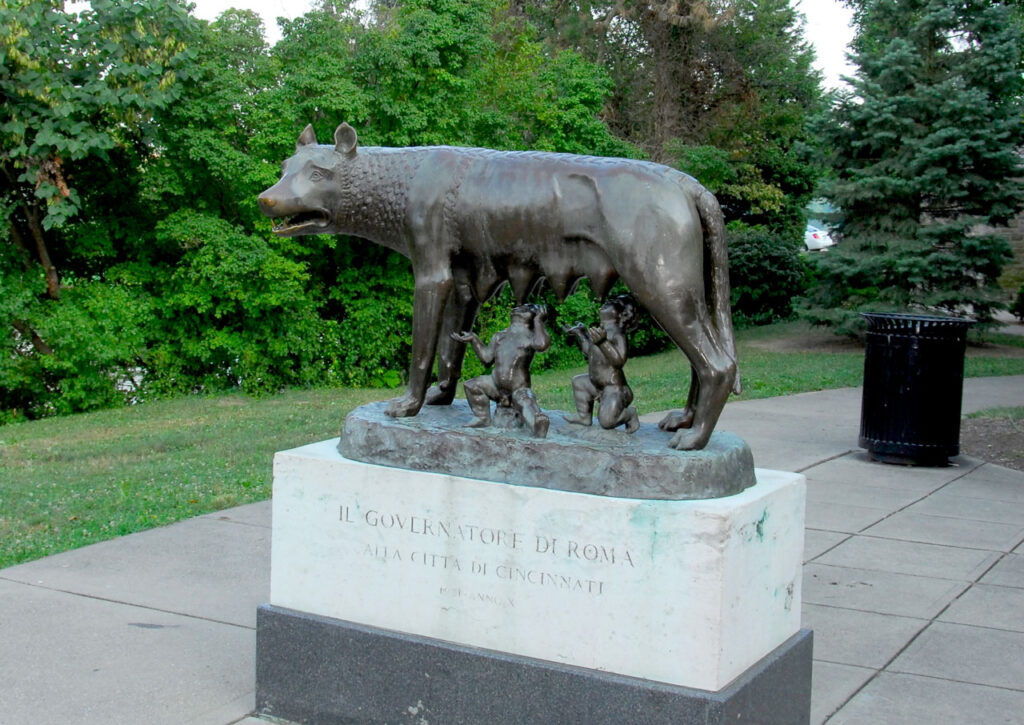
[684, 418]
[714, 371]
[459, 316]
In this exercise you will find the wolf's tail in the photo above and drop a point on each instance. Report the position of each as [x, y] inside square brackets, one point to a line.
[716, 272]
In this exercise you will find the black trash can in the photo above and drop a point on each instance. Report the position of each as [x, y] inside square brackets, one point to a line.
[913, 387]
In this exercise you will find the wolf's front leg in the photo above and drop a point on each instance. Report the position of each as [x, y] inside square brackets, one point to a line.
[429, 300]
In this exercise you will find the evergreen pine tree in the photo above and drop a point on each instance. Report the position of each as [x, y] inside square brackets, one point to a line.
[925, 159]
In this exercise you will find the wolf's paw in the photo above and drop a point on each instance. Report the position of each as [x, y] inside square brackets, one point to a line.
[688, 440]
[439, 396]
[403, 407]
[677, 419]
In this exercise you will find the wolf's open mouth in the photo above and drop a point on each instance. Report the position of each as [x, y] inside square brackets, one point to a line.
[301, 221]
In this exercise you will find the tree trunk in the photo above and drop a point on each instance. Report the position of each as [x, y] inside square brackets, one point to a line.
[37, 342]
[52, 280]
[19, 243]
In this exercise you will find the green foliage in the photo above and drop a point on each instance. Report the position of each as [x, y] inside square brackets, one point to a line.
[720, 90]
[738, 183]
[544, 101]
[767, 271]
[924, 153]
[371, 298]
[98, 327]
[76, 85]
[214, 140]
[234, 313]
[96, 331]
[78, 91]
[135, 139]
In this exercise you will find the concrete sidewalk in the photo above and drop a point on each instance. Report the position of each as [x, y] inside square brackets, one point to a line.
[914, 586]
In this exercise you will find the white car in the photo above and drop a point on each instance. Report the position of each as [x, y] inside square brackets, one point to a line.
[817, 239]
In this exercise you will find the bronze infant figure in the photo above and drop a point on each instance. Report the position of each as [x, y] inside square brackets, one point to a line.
[606, 349]
[511, 353]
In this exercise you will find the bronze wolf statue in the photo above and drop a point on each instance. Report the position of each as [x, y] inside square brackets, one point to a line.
[471, 220]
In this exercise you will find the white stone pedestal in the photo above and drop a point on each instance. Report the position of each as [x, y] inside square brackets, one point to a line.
[689, 593]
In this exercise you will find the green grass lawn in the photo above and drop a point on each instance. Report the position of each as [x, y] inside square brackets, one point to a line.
[66, 482]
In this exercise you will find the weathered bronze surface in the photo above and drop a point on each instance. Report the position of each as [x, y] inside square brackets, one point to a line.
[471, 220]
[575, 458]
[511, 353]
[606, 349]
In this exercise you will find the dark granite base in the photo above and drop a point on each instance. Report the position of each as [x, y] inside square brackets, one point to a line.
[572, 458]
[325, 671]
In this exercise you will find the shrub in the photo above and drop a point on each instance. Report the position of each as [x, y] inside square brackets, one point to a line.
[235, 313]
[94, 342]
[766, 272]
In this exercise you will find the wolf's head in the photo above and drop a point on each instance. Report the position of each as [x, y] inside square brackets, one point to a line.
[307, 198]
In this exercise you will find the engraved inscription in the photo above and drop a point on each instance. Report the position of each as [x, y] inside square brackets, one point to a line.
[444, 529]
[404, 529]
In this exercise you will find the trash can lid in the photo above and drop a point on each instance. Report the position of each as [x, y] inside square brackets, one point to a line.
[916, 324]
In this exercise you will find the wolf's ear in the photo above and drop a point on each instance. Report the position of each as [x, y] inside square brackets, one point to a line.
[345, 139]
[307, 137]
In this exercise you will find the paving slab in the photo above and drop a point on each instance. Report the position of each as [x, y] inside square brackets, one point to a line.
[878, 591]
[202, 567]
[896, 699]
[948, 531]
[990, 482]
[948, 503]
[988, 606]
[998, 474]
[852, 637]
[817, 542]
[833, 686]
[855, 493]
[977, 655]
[858, 468]
[842, 518]
[67, 658]
[909, 557]
[1009, 572]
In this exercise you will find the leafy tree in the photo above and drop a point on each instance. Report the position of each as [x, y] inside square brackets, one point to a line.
[74, 88]
[77, 94]
[423, 72]
[924, 150]
[237, 308]
[721, 90]
[428, 71]
[133, 259]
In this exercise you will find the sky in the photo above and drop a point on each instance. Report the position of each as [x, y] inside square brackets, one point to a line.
[828, 26]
